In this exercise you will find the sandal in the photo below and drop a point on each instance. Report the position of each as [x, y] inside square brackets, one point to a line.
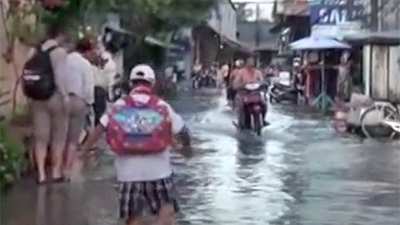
[59, 180]
[41, 182]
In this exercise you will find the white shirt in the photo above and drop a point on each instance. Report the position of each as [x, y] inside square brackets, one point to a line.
[104, 77]
[80, 77]
[145, 167]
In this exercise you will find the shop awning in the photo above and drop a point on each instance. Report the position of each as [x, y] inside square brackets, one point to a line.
[384, 38]
[148, 39]
[312, 43]
[153, 41]
[238, 45]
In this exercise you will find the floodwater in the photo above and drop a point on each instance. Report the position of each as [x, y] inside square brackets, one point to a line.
[298, 173]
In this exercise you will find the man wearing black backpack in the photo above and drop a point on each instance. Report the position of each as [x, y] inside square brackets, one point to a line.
[43, 83]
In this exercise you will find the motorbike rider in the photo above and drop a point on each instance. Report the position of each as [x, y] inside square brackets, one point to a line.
[246, 75]
[299, 79]
[231, 91]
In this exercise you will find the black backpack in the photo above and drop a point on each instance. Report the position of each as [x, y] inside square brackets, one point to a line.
[38, 76]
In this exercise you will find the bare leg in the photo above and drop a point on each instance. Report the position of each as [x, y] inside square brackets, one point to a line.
[134, 221]
[41, 134]
[40, 157]
[70, 159]
[166, 216]
[57, 155]
[58, 143]
[76, 119]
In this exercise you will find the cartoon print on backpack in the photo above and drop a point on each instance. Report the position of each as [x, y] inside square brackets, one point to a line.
[138, 121]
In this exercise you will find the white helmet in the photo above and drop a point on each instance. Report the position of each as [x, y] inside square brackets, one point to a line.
[143, 72]
[239, 62]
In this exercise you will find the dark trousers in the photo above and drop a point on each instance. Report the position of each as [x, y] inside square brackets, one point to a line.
[231, 93]
[100, 103]
[245, 116]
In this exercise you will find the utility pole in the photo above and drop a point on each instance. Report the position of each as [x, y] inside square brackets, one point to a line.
[374, 17]
[257, 30]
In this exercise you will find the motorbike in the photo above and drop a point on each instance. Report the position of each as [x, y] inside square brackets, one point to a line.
[201, 81]
[279, 92]
[254, 99]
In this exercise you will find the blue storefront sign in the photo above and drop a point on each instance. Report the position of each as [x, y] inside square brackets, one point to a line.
[332, 14]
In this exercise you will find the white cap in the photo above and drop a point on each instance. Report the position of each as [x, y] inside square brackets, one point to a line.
[143, 72]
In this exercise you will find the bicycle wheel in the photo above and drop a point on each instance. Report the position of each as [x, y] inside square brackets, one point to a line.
[371, 121]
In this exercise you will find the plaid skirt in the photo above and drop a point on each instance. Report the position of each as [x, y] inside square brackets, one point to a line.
[146, 197]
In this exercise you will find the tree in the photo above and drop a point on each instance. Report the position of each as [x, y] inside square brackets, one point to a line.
[141, 17]
[162, 16]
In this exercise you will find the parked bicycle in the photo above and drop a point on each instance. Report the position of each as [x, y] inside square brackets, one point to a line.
[383, 118]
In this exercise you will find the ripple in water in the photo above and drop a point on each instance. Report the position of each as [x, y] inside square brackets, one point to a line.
[232, 179]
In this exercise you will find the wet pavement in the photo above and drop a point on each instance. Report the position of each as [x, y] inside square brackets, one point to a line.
[298, 173]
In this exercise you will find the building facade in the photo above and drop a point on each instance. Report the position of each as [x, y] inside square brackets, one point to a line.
[291, 22]
[382, 62]
[216, 38]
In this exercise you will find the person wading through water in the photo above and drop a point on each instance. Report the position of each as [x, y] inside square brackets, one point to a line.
[106, 70]
[80, 88]
[231, 91]
[140, 129]
[43, 82]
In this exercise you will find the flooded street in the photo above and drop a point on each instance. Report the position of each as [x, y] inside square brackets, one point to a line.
[298, 173]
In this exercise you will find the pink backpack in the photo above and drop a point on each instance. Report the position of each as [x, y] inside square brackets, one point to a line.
[139, 128]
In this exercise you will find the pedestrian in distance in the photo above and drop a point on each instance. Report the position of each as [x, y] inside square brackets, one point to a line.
[140, 129]
[105, 72]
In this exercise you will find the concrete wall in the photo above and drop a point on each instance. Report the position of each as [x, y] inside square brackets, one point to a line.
[10, 71]
[222, 25]
[385, 60]
[248, 34]
[381, 72]
[222, 19]
[389, 14]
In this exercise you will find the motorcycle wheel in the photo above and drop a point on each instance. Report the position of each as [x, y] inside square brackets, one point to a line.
[273, 98]
[257, 123]
[274, 95]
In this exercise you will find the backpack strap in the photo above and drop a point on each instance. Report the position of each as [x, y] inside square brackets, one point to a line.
[129, 101]
[51, 48]
[153, 101]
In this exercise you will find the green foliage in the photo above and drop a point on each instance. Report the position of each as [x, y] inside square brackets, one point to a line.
[12, 161]
[153, 16]
[142, 17]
